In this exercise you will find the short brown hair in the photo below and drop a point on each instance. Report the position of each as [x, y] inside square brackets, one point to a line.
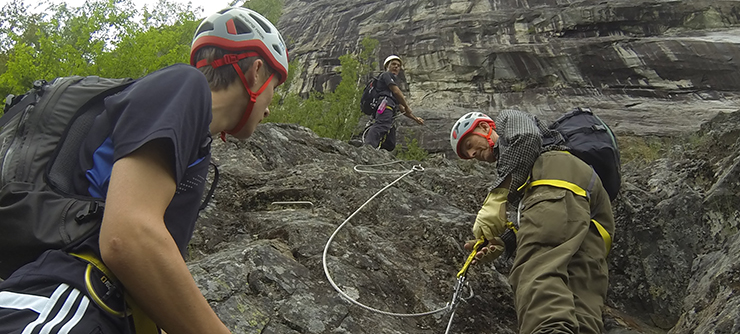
[221, 77]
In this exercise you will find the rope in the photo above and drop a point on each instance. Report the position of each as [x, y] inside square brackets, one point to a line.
[415, 168]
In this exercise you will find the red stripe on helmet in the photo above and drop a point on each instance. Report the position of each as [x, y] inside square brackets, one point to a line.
[470, 130]
[241, 46]
[230, 27]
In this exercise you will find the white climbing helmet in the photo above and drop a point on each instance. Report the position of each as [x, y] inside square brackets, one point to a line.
[242, 30]
[465, 125]
[388, 60]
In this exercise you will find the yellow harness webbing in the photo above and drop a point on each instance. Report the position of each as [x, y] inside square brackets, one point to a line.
[560, 184]
[604, 234]
[580, 192]
[142, 323]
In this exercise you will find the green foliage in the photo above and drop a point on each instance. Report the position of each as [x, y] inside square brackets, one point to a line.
[109, 38]
[330, 114]
[148, 51]
[642, 149]
[271, 9]
[412, 151]
[648, 149]
[367, 55]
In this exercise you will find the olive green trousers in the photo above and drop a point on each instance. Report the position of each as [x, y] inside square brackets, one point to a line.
[560, 273]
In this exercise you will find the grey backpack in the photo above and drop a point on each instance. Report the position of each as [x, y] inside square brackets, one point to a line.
[40, 136]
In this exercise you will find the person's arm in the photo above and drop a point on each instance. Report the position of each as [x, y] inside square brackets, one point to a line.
[404, 105]
[136, 245]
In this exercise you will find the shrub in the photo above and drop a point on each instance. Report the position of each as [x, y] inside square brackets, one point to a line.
[330, 114]
[412, 151]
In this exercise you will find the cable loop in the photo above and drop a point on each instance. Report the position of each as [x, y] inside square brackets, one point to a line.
[416, 168]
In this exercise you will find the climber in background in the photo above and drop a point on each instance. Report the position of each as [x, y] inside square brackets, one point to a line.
[382, 133]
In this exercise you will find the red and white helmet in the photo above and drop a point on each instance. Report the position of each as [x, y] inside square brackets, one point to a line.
[241, 30]
[465, 126]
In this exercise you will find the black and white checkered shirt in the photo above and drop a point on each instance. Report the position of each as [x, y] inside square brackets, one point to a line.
[519, 145]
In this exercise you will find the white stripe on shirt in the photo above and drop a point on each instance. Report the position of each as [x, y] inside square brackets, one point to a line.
[63, 312]
[61, 289]
[76, 318]
[19, 301]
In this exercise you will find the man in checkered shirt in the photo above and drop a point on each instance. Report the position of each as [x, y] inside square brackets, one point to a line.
[560, 275]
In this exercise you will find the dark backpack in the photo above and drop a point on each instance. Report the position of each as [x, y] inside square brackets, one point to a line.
[40, 136]
[590, 139]
[369, 99]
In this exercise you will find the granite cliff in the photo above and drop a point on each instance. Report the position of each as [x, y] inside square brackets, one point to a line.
[656, 67]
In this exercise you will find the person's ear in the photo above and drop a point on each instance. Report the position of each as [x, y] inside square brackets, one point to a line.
[254, 72]
[484, 126]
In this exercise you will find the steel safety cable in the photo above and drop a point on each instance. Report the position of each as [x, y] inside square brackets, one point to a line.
[415, 168]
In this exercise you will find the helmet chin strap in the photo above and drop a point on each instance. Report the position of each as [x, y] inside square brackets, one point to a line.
[487, 136]
[233, 59]
[252, 100]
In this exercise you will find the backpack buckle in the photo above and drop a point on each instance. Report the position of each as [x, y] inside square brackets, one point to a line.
[38, 84]
[9, 102]
[94, 210]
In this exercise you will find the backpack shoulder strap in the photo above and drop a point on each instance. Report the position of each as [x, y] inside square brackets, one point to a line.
[64, 157]
[15, 104]
[212, 189]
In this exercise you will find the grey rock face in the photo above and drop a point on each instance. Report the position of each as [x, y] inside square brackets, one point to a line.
[677, 221]
[650, 67]
[666, 68]
[672, 267]
[260, 265]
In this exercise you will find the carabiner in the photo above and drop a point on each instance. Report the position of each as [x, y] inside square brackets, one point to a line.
[462, 282]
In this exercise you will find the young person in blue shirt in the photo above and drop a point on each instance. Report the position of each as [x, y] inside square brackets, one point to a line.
[148, 156]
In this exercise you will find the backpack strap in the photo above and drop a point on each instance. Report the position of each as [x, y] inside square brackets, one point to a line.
[212, 188]
[561, 184]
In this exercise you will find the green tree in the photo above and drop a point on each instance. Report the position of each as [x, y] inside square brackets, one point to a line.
[271, 9]
[330, 114]
[367, 55]
[110, 38]
[411, 151]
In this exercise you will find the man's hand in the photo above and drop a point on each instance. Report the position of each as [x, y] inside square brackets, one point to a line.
[407, 112]
[491, 220]
[487, 253]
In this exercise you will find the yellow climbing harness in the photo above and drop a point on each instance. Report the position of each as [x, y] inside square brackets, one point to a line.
[575, 189]
[142, 323]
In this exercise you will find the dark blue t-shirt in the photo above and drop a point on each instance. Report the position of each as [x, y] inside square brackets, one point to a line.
[385, 81]
[173, 104]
